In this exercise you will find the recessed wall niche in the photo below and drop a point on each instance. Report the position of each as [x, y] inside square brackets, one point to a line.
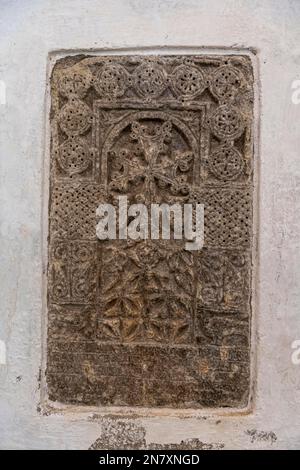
[146, 322]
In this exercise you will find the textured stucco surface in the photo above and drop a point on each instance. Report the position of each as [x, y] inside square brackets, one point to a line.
[30, 31]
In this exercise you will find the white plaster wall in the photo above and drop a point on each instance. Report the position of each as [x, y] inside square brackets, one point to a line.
[29, 31]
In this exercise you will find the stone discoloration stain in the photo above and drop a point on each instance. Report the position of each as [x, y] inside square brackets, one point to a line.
[261, 436]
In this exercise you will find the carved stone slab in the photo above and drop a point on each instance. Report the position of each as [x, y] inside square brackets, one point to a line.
[147, 323]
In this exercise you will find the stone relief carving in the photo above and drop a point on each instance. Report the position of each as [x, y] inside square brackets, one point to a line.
[147, 323]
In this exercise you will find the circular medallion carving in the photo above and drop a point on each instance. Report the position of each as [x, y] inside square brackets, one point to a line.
[111, 81]
[226, 163]
[75, 118]
[226, 123]
[150, 80]
[187, 81]
[226, 82]
[74, 156]
[74, 82]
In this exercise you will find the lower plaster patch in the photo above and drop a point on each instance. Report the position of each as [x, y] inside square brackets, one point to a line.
[127, 435]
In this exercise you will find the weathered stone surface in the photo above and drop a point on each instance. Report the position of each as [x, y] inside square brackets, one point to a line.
[147, 323]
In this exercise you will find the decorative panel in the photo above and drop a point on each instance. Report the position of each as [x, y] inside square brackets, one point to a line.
[146, 322]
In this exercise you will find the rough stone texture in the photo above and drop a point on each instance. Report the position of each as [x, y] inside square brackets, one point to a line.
[120, 435]
[146, 322]
[29, 32]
